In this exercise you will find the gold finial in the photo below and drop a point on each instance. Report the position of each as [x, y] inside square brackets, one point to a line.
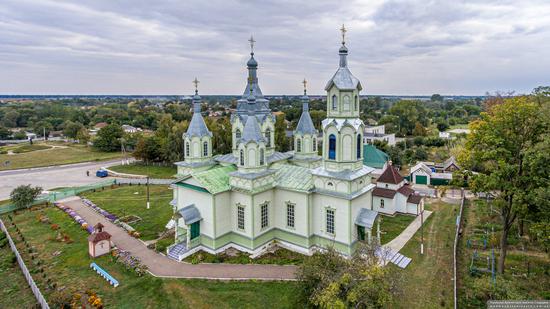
[196, 83]
[305, 85]
[343, 30]
[252, 41]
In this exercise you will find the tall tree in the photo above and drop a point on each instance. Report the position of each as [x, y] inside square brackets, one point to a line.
[108, 138]
[24, 195]
[499, 147]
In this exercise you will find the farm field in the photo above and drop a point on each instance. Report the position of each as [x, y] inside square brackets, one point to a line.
[50, 153]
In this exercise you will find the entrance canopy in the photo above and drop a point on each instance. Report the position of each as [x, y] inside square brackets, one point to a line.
[190, 214]
[366, 218]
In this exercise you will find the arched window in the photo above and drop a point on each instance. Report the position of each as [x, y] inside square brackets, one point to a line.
[204, 149]
[358, 146]
[187, 150]
[356, 103]
[299, 145]
[262, 159]
[238, 133]
[268, 137]
[346, 103]
[332, 147]
[334, 102]
[242, 157]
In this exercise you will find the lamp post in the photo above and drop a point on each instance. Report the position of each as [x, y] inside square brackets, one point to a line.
[148, 204]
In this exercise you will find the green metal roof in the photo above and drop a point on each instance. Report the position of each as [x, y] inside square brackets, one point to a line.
[294, 177]
[373, 157]
[216, 179]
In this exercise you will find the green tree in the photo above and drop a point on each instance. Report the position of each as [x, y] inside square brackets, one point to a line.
[24, 195]
[328, 280]
[10, 119]
[108, 138]
[419, 130]
[4, 133]
[148, 149]
[83, 136]
[499, 146]
[42, 127]
[436, 98]
[281, 141]
[71, 129]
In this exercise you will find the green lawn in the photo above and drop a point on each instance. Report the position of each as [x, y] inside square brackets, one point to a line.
[428, 278]
[527, 267]
[68, 153]
[393, 226]
[132, 200]
[14, 290]
[147, 170]
[67, 265]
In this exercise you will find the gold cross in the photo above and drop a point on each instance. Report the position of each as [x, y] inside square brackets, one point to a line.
[305, 85]
[196, 83]
[251, 40]
[343, 29]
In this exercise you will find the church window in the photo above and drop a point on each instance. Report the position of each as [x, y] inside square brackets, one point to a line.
[290, 214]
[262, 157]
[355, 103]
[299, 145]
[381, 203]
[330, 184]
[187, 150]
[346, 103]
[205, 149]
[330, 221]
[314, 144]
[358, 146]
[268, 137]
[242, 157]
[238, 134]
[332, 147]
[240, 217]
[264, 215]
[334, 102]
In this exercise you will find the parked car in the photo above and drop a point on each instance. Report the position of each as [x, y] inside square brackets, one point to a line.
[101, 173]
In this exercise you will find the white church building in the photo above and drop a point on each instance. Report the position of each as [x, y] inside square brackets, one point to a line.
[255, 195]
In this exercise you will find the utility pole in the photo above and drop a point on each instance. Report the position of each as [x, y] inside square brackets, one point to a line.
[148, 204]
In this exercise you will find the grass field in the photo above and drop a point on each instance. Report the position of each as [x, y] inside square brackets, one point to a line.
[66, 154]
[147, 170]
[393, 226]
[526, 275]
[428, 279]
[132, 200]
[67, 265]
[14, 290]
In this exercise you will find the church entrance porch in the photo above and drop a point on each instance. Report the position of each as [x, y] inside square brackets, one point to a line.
[188, 232]
[364, 223]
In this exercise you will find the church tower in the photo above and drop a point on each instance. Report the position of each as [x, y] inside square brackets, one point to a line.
[343, 129]
[258, 108]
[342, 170]
[305, 137]
[197, 141]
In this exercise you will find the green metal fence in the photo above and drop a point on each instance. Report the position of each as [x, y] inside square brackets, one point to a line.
[61, 194]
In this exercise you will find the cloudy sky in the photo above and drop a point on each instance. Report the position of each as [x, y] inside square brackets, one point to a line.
[158, 47]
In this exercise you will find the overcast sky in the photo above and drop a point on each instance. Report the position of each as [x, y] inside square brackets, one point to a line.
[158, 47]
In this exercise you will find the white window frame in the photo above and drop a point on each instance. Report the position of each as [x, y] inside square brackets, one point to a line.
[241, 212]
[264, 215]
[330, 221]
[290, 215]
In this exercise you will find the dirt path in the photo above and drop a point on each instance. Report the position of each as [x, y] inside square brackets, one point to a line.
[162, 266]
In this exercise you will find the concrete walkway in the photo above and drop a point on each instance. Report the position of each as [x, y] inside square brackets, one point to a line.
[399, 242]
[162, 266]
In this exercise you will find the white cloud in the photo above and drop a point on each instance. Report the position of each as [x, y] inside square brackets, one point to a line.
[396, 47]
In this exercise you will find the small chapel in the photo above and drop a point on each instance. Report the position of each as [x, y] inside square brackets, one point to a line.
[254, 196]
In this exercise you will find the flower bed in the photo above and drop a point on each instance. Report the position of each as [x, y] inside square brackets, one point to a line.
[99, 210]
[78, 219]
[130, 230]
[131, 262]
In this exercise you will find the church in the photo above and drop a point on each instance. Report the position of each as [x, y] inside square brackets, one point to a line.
[256, 196]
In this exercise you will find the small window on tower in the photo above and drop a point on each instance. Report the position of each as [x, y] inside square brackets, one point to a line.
[241, 157]
[187, 150]
[299, 145]
[334, 102]
[262, 157]
[268, 137]
[356, 103]
[205, 149]
[238, 133]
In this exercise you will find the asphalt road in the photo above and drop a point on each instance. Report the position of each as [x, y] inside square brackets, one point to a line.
[50, 177]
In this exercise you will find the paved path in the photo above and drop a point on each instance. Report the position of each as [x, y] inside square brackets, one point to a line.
[162, 266]
[70, 175]
[399, 242]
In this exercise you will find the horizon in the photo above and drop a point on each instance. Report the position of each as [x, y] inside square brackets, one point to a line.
[412, 48]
